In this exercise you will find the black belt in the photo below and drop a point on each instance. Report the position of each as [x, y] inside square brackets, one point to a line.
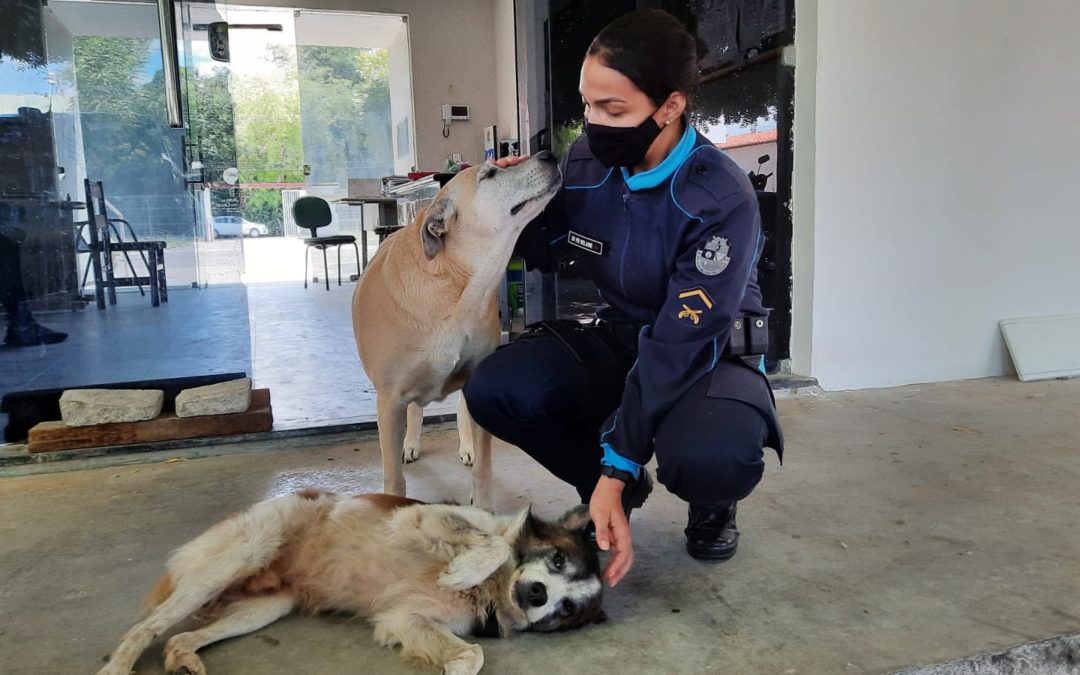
[626, 332]
[749, 334]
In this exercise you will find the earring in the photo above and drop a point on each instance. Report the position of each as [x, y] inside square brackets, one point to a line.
[667, 123]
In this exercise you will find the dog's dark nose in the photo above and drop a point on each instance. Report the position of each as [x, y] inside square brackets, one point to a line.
[537, 595]
[532, 594]
[546, 156]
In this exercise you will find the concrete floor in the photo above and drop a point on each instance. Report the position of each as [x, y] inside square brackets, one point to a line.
[907, 527]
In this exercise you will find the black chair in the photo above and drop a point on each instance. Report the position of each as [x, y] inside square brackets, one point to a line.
[104, 240]
[311, 213]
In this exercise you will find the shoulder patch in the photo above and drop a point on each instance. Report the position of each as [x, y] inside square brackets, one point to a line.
[714, 257]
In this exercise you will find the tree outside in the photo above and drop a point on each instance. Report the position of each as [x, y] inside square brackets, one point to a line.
[126, 143]
[325, 107]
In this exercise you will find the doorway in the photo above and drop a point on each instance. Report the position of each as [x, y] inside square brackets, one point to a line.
[307, 102]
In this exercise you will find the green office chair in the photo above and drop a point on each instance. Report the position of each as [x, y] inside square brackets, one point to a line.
[311, 213]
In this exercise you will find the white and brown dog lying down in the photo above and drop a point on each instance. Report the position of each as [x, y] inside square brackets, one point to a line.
[424, 574]
[426, 312]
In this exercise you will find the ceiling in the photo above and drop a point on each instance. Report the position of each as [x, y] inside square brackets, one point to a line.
[139, 19]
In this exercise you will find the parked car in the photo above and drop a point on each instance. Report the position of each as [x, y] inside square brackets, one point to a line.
[235, 226]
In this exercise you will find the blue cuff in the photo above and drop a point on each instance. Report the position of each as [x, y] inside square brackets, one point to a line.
[612, 458]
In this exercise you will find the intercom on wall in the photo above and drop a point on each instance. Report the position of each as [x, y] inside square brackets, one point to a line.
[454, 112]
[451, 112]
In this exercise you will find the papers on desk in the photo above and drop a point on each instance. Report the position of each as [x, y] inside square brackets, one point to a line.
[408, 187]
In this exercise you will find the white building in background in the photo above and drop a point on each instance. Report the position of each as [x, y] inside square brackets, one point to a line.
[747, 149]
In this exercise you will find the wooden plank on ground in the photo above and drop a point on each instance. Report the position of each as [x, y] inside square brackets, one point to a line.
[53, 436]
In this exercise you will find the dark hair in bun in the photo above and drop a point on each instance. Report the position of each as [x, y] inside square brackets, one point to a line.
[654, 50]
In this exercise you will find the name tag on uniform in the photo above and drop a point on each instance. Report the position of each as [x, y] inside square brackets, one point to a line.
[594, 246]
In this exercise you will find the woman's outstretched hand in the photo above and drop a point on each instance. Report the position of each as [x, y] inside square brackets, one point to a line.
[612, 528]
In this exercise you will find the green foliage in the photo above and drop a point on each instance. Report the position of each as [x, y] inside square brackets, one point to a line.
[210, 112]
[21, 37]
[565, 134]
[740, 97]
[127, 144]
[345, 95]
[333, 113]
[264, 206]
[107, 75]
[269, 144]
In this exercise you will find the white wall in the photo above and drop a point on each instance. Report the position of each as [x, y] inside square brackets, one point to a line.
[803, 134]
[946, 173]
[401, 103]
[453, 62]
[505, 71]
[532, 97]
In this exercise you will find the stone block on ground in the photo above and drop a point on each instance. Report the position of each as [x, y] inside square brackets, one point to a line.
[83, 407]
[224, 398]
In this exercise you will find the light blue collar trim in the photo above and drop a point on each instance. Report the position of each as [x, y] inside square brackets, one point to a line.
[662, 171]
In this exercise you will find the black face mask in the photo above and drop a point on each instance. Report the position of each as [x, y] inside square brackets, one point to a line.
[621, 146]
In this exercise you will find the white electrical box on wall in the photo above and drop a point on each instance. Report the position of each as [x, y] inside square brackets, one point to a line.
[454, 112]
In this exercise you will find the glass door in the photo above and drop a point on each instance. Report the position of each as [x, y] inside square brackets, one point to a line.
[83, 96]
[210, 149]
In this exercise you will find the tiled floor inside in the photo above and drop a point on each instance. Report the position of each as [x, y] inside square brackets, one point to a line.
[255, 316]
[297, 342]
[196, 332]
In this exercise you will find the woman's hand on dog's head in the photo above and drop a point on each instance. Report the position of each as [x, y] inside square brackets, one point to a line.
[507, 162]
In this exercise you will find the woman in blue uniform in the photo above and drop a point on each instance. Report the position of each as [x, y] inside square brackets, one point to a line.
[668, 228]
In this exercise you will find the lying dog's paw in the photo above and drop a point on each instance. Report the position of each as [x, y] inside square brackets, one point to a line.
[410, 455]
[456, 579]
[180, 657]
[465, 452]
[468, 662]
[186, 664]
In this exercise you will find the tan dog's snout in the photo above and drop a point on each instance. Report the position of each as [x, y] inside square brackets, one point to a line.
[497, 202]
[538, 177]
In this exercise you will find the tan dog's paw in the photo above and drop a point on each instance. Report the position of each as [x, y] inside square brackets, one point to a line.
[410, 455]
[468, 662]
[465, 452]
[482, 500]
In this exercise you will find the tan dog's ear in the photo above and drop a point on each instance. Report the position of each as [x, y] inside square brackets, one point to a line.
[433, 228]
[576, 518]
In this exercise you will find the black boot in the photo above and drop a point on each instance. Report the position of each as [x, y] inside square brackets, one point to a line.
[633, 496]
[23, 331]
[711, 533]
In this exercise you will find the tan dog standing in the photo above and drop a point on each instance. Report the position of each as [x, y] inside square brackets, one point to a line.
[426, 312]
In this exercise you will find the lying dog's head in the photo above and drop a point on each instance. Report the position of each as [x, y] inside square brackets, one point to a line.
[556, 584]
[483, 209]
